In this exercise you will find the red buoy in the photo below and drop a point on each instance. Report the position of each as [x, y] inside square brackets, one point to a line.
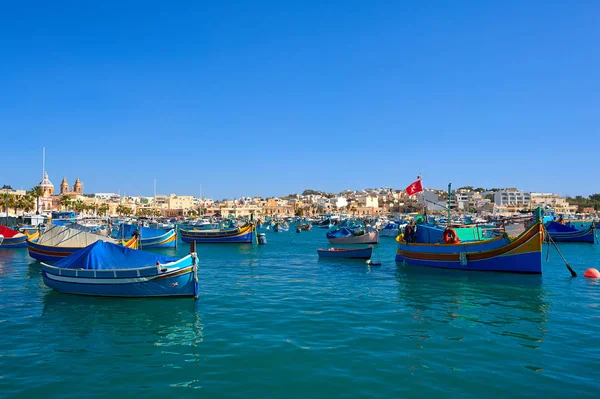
[592, 273]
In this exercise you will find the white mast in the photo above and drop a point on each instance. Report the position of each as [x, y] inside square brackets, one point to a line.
[43, 162]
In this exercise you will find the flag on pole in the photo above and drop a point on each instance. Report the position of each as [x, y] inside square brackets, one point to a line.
[414, 188]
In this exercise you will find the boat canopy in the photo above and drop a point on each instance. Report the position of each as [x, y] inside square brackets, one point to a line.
[8, 233]
[108, 256]
[63, 236]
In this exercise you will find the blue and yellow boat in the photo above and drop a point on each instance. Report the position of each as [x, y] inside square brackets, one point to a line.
[149, 237]
[522, 254]
[239, 235]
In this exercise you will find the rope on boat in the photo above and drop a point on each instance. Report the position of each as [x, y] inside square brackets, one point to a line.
[550, 240]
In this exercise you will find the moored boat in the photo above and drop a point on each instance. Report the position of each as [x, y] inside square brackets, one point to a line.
[148, 237]
[564, 233]
[305, 226]
[16, 239]
[281, 227]
[58, 242]
[238, 235]
[347, 236]
[346, 253]
[107, 269]
[502, 254]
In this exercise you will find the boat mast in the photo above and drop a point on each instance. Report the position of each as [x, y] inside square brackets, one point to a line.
[449, 195]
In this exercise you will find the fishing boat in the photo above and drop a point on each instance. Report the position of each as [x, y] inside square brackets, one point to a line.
[565, 233]
[148, 237]
[522, 254]
[391, 229]
[58, 242]
[107, 269]
[346, 253]
[348, 236]
[305, 226]
[16, 239]
[63, 218]
[238, 235]
[281, 227]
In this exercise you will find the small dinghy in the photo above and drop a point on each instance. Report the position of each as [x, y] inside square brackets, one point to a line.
[345, 253]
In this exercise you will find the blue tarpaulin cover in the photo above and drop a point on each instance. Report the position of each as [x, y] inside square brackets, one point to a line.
[108, 256]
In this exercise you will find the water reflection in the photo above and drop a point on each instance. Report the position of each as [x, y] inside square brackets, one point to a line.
[162, 322]
[501, 304]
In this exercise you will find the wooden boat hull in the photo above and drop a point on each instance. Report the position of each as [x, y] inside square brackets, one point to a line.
[521, 255]
[167, 240]
[367, 238]
[174, 280]
[342, 253]
[14, 242]
[574, 236]
[47, 253]
[240, 235]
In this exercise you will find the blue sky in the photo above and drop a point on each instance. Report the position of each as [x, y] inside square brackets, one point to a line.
[271, 98]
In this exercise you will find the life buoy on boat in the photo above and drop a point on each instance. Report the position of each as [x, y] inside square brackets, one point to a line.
[450, 236]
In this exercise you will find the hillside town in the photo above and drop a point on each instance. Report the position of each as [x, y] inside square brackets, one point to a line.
[368, 202]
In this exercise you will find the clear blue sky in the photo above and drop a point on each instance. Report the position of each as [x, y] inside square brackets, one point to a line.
[273, 97]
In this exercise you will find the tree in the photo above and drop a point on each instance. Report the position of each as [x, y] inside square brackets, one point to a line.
[79, 205]
[65, 202]
[103, 209]
[37, 192]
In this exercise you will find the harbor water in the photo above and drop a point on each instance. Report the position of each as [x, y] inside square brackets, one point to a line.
[275, 321]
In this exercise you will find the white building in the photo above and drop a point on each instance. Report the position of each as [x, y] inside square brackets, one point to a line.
[555, 201]
[341, 202]
[512, 197]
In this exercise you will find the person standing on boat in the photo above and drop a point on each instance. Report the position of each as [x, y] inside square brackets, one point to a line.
[410, 232]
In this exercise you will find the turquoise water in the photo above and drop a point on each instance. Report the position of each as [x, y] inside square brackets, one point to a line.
[274, 321]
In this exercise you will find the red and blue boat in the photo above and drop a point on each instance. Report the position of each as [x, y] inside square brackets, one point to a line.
[148, 237]
[16, 239]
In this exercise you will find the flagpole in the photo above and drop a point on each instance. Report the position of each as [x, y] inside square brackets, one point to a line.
[449, 194]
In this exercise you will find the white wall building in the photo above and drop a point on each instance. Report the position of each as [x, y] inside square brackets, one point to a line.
[513, 197]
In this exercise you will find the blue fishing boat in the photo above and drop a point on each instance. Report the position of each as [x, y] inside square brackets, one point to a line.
[149, 237]
[346, 253]
[63, 218]
[502, 254]
[281, 227]
[238, 235]
[107, 269]
[565, 233]
[346, 235]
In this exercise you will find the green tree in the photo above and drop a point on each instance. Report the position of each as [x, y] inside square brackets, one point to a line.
[65, 202]
[37, 192]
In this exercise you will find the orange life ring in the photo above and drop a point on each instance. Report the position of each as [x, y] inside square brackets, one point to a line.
[450, 236]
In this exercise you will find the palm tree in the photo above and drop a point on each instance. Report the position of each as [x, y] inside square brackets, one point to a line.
[102, 209]
[79, 205]
[37, 192]
[65, 202]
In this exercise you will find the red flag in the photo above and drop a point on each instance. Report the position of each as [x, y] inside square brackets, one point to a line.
[414, 188]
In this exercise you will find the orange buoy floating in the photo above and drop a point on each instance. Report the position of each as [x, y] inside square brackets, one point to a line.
[592, 273]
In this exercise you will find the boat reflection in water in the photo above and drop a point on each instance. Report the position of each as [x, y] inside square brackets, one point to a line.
[92, 321]
[468, 318]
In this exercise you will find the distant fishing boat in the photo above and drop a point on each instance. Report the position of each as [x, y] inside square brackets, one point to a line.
[63, 218]
[281, 227]
[58, 242]
[149, 237]
[564, 233]
[346, 253]
[502, 254]
[305, 227]
[108, 269]
[238, 235]
[348, 236]
[391, 229]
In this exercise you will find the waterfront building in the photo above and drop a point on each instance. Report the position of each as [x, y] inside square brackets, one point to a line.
[511, 197]
[554, 201]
